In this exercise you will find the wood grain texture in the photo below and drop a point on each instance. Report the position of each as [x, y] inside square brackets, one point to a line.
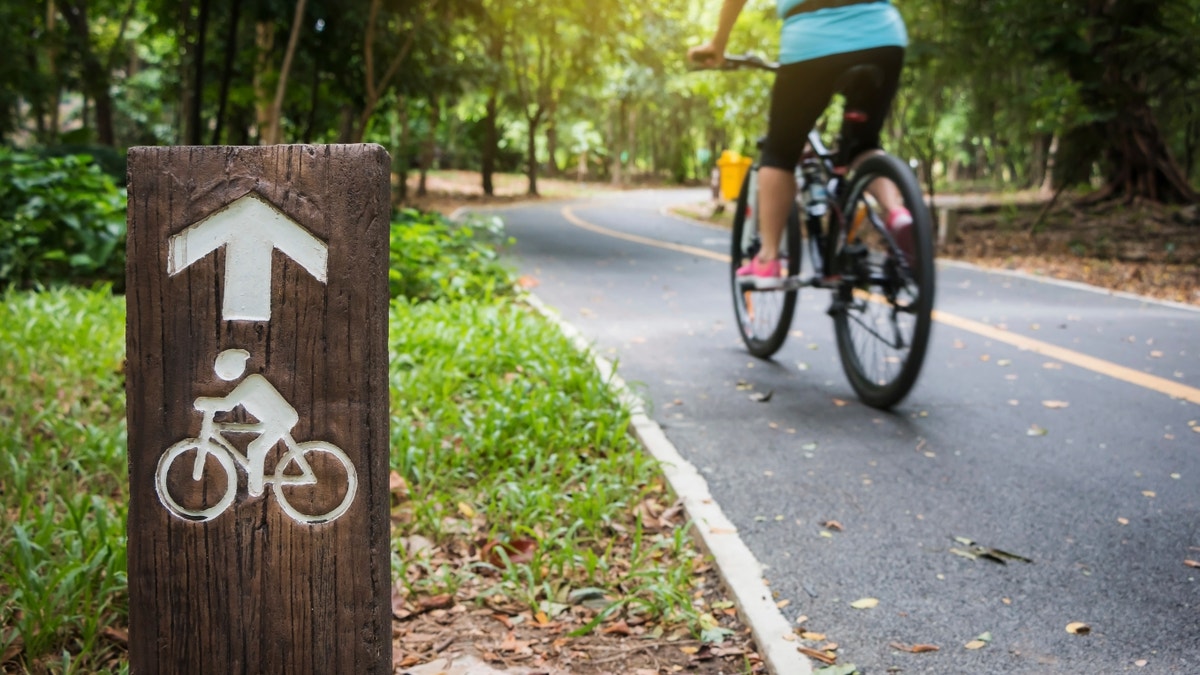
[253, 591]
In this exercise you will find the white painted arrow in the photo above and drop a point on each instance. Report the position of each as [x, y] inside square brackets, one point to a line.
[250, 229]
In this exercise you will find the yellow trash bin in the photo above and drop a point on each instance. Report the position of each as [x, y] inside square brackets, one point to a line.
[733, 171]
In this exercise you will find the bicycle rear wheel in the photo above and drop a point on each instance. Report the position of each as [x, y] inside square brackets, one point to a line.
[763, 316]
[883, 310]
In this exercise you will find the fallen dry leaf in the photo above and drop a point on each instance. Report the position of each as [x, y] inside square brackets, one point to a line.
[914, 649]
[442, 601]
[833, 525]
[526, 281]
[1078, 628]
[1191, 563]
[975, 644]
[865, 603]
[828, 659]
[517, 551]
[118, 635]
[512, 644]
[618, 628]
[1055, 404]
[397, 485]
[815, 637]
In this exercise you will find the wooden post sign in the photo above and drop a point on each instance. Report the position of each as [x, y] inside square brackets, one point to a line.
[258, 410]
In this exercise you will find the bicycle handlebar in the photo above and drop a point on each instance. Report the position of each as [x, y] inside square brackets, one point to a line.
[739, 62]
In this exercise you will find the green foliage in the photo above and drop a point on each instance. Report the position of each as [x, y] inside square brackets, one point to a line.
[62, 220]
[434, 258]
[62, 455]
[491, 408]
[504, 433]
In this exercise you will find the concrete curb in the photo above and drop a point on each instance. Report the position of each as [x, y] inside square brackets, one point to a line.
[739, 569]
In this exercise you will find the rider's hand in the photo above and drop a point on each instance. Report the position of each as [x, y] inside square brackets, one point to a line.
[706, 55]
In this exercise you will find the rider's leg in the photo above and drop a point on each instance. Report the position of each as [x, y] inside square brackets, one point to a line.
[884, 191]
[776, 193]
[798, 97]
[256, 455]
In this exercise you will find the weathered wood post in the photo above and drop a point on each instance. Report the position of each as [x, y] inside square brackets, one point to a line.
[258, 410]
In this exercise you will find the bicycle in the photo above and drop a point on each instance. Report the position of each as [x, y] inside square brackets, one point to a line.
[212, 443]
[882, 302]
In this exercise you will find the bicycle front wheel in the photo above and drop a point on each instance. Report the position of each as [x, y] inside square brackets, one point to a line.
[315, 482]
[763, 316]
[883, 309]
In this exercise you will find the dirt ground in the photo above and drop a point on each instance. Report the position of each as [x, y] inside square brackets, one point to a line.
[473, 637]
[1147, 249]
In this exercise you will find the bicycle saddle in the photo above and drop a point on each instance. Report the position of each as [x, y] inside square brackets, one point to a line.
[865, 76]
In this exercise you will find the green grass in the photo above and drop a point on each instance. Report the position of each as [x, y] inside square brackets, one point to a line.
[62, 458]
[508, 441]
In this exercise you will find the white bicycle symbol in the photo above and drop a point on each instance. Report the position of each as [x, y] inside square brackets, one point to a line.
[294, 468]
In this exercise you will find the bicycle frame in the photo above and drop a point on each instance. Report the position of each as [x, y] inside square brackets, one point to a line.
[212, 433]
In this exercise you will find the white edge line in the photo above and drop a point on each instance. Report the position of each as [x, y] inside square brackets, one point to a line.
[739, 569]
[1076, 285]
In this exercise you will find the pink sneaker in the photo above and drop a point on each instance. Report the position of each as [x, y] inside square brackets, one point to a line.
[899, 224]
[762, 274]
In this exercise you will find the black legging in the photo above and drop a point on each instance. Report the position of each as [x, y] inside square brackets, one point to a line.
[803, 90]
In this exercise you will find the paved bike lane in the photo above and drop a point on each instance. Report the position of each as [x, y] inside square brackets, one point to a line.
[1100, 494]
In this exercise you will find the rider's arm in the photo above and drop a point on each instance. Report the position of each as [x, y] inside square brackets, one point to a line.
[712, 53]
[730, 9]
[210, 403]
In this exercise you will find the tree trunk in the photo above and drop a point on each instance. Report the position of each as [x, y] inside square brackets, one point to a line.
[614, 145]
[1140, 163]
[231, 50]
[275, 123]
[1138, 160]
[264, 44]
[552, 148]
[95, 77]
[490, 141]
[51, 131]
[429, 145]
[400, 154]
[531, 166]
[198, 67]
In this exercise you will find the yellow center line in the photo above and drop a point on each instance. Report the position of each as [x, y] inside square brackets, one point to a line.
[1113, 370]
[681, 248]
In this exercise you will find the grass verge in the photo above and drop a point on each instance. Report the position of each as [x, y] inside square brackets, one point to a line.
[516, 489]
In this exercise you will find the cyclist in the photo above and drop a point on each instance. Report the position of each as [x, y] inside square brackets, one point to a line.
[259, 398]
[820, 41]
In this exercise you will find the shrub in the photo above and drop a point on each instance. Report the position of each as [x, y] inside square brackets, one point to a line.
[434, 258]
[62, 220]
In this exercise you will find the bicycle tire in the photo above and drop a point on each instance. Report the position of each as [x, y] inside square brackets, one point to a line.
[282, 480]
[763, 316]
[877, 278]
[163, 489]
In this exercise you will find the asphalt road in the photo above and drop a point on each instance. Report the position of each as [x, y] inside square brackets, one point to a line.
[1102, 495]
